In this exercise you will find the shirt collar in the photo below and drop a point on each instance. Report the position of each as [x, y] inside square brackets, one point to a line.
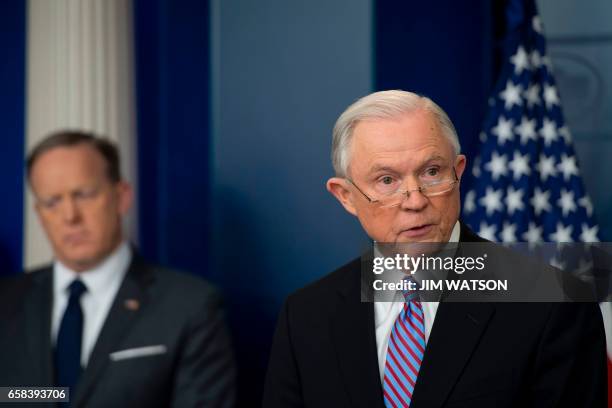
[396, 275]
[98, 278]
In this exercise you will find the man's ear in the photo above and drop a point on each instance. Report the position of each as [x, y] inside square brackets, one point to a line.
[338, 187]
[125, 197]
[460, 163]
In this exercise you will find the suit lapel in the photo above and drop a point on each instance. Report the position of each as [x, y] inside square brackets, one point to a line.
[117, 324]
[354, 338]
[37, 312]
[454, 336]
[456, 331]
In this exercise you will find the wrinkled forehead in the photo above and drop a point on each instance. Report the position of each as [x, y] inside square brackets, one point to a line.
[407, 142]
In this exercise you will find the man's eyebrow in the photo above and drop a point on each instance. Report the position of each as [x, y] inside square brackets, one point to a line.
[431, 159]
[379, 167]
[434, 158]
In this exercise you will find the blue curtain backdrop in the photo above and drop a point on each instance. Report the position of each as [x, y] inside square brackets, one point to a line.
[173, 92]
[443, 49]
[12, 123]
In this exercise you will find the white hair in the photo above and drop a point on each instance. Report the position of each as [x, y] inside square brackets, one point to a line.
[384, 105]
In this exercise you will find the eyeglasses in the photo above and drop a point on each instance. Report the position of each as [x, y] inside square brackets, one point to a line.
[429, 189]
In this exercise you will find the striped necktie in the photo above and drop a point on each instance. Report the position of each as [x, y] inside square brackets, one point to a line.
[404, 353]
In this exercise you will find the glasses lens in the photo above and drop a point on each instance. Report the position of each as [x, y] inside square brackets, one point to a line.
[439, 188]
[396, 198]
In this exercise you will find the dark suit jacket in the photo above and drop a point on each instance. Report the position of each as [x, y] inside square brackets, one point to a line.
[176, 310]
[477, 355]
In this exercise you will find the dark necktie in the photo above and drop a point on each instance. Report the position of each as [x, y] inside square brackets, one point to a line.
[68, 345]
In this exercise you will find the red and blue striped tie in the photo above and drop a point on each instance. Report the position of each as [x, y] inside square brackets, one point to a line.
[404, 353]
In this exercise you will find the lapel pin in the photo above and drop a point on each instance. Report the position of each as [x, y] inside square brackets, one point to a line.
[132, 304]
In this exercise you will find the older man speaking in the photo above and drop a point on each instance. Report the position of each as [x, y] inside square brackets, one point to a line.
[398, 170]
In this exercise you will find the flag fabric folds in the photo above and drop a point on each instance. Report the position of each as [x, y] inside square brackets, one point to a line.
[527, 184]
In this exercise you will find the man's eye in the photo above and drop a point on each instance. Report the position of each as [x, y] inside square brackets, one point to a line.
[387, 180]
[85, 193]
[432, 172]
[49, 203]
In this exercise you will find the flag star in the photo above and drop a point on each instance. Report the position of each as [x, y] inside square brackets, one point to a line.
[508, 232]
[546, 62]
[511, 95]
[540, 201]
[562, 234]
[519, 165]
[503, 130]
[589, 234]
[550, 96]
[514, 200]
[483, 137]
[533, 234]
[549, 131]
[536, 23]
[566, 202]
[476, 170]
[470, 202]
[568, 166]
[536, 59]
[526, 130]
[546, 167]
[520, 60]
[491, 200]
[586, 203]
[497, 166]
[532, 95]
[565, 134]
[487, 231]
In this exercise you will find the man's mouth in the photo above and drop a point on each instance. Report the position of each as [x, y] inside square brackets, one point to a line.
[418, 231]
[75, 238]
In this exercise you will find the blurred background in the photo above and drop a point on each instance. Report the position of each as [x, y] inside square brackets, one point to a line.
[223, 111]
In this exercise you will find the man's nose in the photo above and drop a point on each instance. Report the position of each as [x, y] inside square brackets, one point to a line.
[413, 200]
[70, 211]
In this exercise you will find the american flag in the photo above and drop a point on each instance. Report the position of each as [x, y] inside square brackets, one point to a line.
[527, 185]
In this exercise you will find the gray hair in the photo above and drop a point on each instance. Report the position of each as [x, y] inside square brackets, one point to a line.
[383, 105]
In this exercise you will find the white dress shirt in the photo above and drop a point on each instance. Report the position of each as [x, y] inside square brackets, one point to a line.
[102, 283]
[385, 314]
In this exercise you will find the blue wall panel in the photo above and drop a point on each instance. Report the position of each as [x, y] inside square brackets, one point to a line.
[282, 73]
[12, 123]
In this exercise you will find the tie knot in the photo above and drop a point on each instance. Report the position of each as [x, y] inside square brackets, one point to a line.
[77, 288]
[410, 295]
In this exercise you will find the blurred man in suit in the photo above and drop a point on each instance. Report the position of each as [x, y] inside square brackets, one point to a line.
[117, 331]
[398, 170]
